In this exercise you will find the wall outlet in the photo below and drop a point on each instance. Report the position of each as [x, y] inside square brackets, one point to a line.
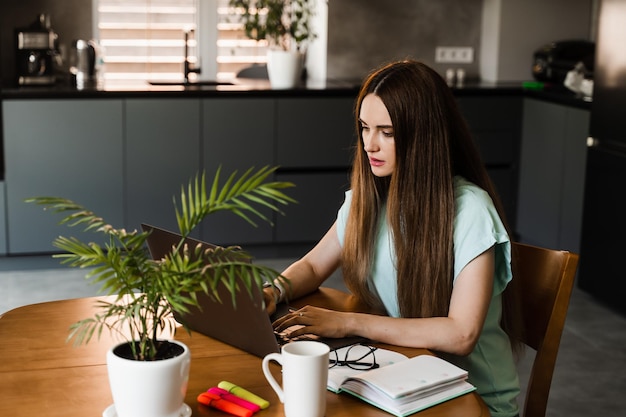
[454, 54]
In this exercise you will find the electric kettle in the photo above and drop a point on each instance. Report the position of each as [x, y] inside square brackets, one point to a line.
[85, 63]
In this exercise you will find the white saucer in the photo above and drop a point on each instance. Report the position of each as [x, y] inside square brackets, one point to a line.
[185, 411]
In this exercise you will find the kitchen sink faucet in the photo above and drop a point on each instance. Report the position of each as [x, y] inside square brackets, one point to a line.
[188, 66]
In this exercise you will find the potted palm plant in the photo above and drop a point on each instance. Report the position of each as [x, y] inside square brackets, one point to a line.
[143, 293]
[286, 26]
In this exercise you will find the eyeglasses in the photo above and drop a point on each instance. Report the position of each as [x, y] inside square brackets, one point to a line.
[359, 357]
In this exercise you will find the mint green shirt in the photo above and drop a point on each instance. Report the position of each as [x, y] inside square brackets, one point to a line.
[477, 227]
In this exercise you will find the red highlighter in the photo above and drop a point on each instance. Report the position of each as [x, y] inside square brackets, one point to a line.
[235, 399]
[213, 400]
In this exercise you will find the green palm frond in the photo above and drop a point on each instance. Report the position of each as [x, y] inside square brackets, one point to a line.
[146, 291]
[237, 195]
[79, 215]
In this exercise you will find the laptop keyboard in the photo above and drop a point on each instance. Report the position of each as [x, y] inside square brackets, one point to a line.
[284, 336]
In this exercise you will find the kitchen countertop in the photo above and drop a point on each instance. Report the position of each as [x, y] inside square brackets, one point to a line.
[261, 88]
[145, 90]
[560, 95]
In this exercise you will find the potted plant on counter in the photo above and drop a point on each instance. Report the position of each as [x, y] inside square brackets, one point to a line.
[286, 26]
[143, 293]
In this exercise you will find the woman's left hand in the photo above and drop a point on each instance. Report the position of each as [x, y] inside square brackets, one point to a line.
[314, 320]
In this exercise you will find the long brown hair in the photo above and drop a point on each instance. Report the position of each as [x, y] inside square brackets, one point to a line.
[433, 144]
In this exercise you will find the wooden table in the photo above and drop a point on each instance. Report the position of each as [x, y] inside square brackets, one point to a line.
[42, 375]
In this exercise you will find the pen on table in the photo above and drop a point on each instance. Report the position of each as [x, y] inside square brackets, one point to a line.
[243, 393]
[235, 399]
[215, 401]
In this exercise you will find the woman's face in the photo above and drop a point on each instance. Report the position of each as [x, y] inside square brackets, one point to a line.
[377, 133]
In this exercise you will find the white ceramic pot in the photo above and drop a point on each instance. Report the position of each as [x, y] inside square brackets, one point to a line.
[148, 388]
[284, 68]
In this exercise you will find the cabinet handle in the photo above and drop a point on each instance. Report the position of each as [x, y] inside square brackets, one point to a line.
[592, 142]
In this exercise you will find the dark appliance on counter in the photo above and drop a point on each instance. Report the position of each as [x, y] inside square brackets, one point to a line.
[553, 61]
[35, 53]
[602, 270]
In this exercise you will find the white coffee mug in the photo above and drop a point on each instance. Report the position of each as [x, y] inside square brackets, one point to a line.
[305, 376]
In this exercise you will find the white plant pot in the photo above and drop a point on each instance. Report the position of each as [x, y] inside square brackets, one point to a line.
[284, 68]
[148, 388]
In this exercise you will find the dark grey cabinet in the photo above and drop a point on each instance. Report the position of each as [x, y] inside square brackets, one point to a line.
[316, 132]
[237, 134]
[65, 148]
[552, 175]
[495, 122]
[319, 197]
[170, 141]
[161, 153]
[3, 226]
[314, 142]
[127, 159]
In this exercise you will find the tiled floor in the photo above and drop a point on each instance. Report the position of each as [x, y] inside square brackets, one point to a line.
[590, 375]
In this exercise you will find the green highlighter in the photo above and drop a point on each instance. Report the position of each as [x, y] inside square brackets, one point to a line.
[243, 393]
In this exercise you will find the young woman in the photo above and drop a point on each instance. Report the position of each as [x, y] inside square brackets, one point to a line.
[419, 237]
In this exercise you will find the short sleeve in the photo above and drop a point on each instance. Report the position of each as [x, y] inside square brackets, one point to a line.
[478, 227]
[342, 217]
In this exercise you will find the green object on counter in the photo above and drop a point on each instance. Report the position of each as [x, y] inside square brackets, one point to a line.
[533, 85]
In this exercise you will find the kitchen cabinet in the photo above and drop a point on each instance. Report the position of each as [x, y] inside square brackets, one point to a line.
[495, 122]
[66, 148]
[162, 152]
[552, 175]
[3, 226]
[316, 132]
[308, 138]
[237, 133]
[314, 143]
[319, 197]
[127, 157]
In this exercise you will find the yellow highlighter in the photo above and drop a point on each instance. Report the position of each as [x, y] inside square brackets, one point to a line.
[243, 393]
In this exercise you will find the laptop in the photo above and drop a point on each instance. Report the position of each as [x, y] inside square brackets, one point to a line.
[246, 326]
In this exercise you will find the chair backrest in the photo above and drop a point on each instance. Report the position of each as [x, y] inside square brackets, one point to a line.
[545, 280]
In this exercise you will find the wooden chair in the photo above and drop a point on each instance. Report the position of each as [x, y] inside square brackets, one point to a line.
[546, 278]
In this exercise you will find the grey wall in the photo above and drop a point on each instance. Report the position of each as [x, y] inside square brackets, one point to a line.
[514, 29]
[71, 19]
[362, 34]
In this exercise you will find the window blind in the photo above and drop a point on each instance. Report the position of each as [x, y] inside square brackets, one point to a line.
[144, 39]
[234, 50]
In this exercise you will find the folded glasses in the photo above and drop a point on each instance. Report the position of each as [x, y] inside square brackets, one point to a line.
[359, 357]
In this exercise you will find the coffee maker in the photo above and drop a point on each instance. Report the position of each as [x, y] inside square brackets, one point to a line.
[36, 49]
